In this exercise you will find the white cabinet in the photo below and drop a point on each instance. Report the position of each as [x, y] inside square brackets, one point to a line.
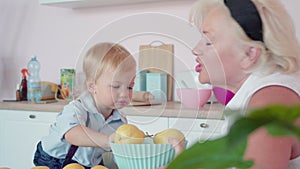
[150, 124]
[19, 133]
[198, 129]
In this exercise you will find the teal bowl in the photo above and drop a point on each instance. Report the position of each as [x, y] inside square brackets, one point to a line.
[142, 156]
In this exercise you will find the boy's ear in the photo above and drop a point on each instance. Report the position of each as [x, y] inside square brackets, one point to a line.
[251, 56]
[90, 86]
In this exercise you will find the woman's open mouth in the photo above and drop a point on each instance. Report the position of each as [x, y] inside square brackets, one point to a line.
[198, 67]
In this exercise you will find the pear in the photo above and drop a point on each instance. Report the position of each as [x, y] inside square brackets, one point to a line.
[99, 167]
[129, 134]
[73, 166]
[37, 167]
[163, 136]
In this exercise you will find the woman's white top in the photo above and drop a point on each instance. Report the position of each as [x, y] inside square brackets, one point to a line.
[256, 82]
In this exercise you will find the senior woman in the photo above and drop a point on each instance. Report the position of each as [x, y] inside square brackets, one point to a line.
[250, 47]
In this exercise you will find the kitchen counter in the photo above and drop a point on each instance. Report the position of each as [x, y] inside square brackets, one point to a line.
[176, 109]
[56, 106]
[169, 109]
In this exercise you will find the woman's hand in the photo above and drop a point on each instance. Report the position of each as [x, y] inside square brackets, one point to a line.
[178, 146]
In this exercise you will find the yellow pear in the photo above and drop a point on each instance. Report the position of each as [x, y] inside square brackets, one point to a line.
[40, 167]
[163, 136]
[129, 134]
[73, 166]
[99, 167]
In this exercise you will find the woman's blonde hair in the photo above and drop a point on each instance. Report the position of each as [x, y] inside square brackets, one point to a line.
[104, 57]
[280, 47]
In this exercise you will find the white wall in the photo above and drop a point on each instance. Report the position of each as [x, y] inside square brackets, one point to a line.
[57, 36]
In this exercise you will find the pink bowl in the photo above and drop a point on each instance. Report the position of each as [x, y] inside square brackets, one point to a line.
[222, 95]
[193, 98]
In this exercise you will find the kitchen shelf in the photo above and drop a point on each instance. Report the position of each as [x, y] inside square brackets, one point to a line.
[92, 3]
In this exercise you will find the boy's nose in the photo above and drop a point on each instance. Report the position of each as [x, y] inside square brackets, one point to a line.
[124, 93]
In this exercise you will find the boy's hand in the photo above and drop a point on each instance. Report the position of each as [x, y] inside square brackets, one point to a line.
[111, 138]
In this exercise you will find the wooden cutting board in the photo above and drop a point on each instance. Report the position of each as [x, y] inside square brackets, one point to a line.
[158, 59]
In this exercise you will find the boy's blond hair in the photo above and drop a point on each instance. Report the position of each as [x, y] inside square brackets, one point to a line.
[105, 57]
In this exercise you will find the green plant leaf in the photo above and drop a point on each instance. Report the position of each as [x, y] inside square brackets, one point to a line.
[229, 150]
[276, 113]
[282, 129]
[211, 155]
[241, 129]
